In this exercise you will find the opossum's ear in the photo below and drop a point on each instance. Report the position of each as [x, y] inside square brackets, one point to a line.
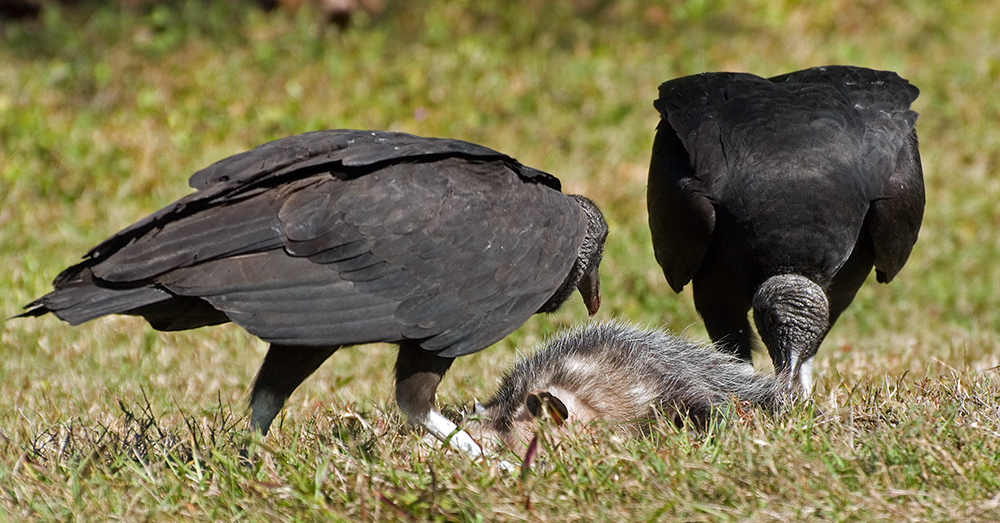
[478, 409]
[534, 403]
[540, 402]
[558, 409]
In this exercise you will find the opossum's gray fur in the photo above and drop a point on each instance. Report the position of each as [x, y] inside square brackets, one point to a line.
[625, 374]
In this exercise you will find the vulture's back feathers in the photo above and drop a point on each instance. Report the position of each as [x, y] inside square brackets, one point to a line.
[342, 237]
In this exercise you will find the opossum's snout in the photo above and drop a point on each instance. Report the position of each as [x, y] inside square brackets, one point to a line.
[515, 425]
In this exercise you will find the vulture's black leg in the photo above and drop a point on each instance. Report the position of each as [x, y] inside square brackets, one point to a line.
[418, 373]
[725, 316]
[283, 369]
[731, 334]
[720, 292]
[851, 276]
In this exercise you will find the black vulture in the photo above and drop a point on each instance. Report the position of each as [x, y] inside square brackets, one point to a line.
[336, 238]
[621, 374]
[780, 195]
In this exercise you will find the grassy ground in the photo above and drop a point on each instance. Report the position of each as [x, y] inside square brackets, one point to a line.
[104, 114]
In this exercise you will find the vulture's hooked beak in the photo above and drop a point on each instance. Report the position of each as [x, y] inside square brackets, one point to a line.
[590, 289]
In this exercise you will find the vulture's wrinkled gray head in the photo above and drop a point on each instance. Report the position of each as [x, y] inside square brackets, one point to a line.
[585, 273]
[792, 315]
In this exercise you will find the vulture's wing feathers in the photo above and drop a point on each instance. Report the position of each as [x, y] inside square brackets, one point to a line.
[455, 247]
[681, 216]
[707, 156]
[891, 156]
[389, 256]
[343, 153]
[762, 147]
[687, 162]
[894, 219]
[283, 299]
[350, 148]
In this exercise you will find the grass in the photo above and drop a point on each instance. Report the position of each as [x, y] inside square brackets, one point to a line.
[105, 112]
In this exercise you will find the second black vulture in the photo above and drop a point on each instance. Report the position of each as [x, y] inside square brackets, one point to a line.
[780, 195]
[336, 238]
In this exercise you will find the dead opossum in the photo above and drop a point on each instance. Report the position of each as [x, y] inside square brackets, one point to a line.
[624, 375]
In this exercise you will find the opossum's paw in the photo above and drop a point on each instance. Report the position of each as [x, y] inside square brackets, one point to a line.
[506, 466]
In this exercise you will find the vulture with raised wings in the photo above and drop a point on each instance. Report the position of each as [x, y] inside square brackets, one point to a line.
[780, 195]
[335, 238]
